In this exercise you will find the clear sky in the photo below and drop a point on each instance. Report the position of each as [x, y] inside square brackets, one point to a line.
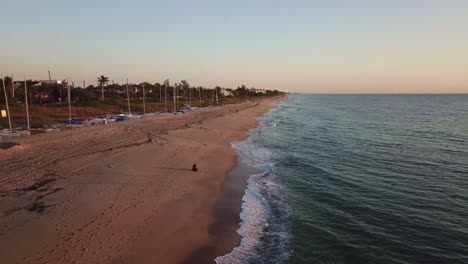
[329, 46]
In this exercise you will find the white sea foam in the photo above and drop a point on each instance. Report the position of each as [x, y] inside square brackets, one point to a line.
[253, 213]
[255, 207]
[253, 221]
[252, 154]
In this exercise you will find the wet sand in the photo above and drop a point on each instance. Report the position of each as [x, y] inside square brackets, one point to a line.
[223, 230]
[124, 193]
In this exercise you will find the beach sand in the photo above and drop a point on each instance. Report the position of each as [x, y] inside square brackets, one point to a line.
[124, 192]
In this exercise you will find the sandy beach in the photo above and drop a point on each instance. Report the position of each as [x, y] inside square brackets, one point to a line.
[124, 192]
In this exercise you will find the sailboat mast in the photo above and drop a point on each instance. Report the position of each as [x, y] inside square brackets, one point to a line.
[174, 97]
[26, 101]
[128, 99]
[6, 101]
[144, 105]
[69, 103]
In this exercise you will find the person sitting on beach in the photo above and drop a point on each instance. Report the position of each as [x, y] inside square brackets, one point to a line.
[194, 167]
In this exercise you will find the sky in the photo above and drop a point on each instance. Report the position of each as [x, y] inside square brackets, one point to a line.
[329, 46]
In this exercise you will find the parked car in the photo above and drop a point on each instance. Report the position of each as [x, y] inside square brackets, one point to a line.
[121, 118]
[186, 108]
[77, 121]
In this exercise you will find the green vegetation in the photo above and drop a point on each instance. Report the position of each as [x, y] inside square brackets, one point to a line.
[48, 101]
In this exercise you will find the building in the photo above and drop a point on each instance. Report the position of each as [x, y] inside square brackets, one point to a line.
[258, 91]
[226, 93]
[51, 82]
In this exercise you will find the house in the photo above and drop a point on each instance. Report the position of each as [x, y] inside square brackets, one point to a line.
[258, 91]
[18, 84]
[226, 93]
[49, 82]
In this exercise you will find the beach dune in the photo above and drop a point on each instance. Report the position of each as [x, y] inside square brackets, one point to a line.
[124, 192]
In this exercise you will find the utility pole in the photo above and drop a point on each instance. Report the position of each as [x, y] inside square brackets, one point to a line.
[216, 91]
[128, 99]
[165, 98]
[26, 101]
[84, 84]
[190, 96]
[6, 101]
[144, 104]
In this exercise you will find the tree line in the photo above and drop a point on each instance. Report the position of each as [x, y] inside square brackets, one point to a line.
[56, 93]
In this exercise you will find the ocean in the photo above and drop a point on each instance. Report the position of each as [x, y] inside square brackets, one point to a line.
[357, 179]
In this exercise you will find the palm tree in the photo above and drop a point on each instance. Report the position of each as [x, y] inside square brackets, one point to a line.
[102, 80]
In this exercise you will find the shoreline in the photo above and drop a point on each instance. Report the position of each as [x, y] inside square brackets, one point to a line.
[124, 193]
[224, 230]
